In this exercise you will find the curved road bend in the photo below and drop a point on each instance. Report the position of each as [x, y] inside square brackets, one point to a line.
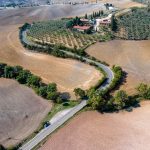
[47, 131]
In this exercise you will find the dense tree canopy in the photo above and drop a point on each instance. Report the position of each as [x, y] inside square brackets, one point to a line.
[79, 93]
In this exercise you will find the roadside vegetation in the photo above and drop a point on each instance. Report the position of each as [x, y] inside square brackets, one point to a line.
[135, 25]
[120, 100]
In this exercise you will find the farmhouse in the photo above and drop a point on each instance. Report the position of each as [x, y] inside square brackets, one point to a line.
[104, 21]
[82, 28]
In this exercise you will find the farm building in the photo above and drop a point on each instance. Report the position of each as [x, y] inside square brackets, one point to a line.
[104, 21]
[82, 28]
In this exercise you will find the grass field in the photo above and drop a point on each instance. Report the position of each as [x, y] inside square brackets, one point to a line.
[21, 111]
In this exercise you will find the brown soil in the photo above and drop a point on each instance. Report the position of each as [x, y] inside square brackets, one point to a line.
[21, 111]
[111, 131]
[123, 3]
[132, 56]
[67, 74]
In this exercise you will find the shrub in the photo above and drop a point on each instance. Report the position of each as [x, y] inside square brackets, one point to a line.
[79, 93]
[23, 76]
[52, 96]
[144, 91]
[34, 81]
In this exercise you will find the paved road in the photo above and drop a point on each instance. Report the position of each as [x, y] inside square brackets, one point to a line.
[47, 131]
[108, 71]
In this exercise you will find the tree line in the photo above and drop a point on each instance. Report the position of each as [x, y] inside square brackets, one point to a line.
[102, 100]
[47, 91]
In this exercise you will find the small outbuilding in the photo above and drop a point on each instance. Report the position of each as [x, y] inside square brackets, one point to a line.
[82, 28]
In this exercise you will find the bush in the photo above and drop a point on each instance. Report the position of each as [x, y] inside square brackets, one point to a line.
[79, 93]
[52, 96]
[34, 81]
[23, 76]
[2, 66]
[144, 91]
[2, 147]
[121, 100]
[42, 91]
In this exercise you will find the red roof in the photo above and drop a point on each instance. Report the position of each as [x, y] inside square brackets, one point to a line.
[82, 27]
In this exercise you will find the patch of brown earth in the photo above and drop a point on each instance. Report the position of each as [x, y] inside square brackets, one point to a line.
[132, 56]
[123, 3]
[111, 131]
[21, 111]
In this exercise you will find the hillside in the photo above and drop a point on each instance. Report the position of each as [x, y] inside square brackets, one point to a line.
[21, 2]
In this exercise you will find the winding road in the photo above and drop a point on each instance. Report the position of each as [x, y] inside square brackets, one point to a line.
[47, 131]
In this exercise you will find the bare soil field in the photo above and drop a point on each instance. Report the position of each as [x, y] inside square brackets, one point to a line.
[67, 74]
[21, 111]
[123, 3]
[132, 56]
[30, 14]
[109, 131]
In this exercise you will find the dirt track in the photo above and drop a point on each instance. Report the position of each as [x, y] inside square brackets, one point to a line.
[95, 131]
[132, 56]
[20, 108]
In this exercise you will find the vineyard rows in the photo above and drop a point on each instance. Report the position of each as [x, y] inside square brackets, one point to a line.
[54, 32]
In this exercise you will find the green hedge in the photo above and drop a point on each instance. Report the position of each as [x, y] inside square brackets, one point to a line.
[27, 78]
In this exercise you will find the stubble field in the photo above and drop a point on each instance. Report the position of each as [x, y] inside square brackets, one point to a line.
[110, 131]
[132, 56]
[67, 74]
[21, 111]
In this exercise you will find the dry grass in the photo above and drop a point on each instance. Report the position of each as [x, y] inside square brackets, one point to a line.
[21, 111]
[123, 3]
[111, 131]
[132, 56]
